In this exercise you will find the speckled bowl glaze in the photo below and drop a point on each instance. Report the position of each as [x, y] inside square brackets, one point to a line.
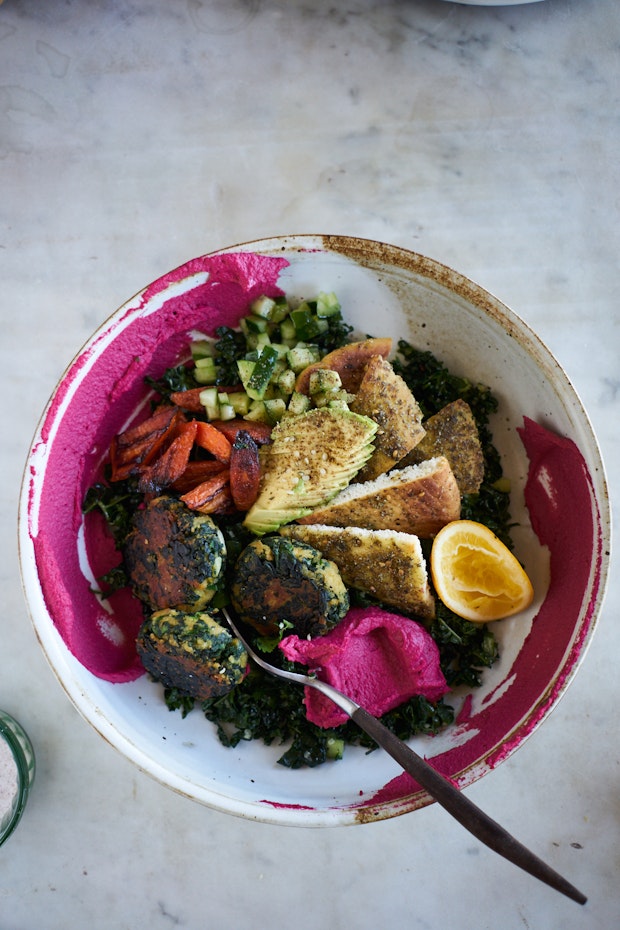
[548, 449]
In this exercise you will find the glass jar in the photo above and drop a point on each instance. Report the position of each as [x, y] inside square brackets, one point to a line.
[17, 769]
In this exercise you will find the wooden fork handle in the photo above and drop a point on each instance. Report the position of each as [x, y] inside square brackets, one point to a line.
[461, 808]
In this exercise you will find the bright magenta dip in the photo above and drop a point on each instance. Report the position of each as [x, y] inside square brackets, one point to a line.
[96, 399]
[376, 658]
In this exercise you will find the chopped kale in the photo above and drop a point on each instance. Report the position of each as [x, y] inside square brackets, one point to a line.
[337, 334]
[179, 378]
[230, 347]
[465, 648]
[434, 386]
[114, 580]
[270, 709]
[117, 503]
[177, 700]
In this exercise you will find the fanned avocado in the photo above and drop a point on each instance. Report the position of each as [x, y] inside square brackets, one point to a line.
[311, 457]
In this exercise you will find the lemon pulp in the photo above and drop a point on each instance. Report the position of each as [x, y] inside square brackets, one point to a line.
[476, 575]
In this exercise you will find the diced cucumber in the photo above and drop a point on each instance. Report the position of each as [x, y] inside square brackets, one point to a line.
[338, 403]
[270, 308]
[240, 402]
[322, 398]
[263, 306]
[227, 412]
[279, 367]
[210, 401]
[324, 379]
[272, 391]
[202, 348]
[275, 410]
[281, 349]
[340, 399]
[327, 304]
[205, 371]
[301, 356]
[298, 403]
[257, 413]
[256, 374]
[262, 339]
[287, 331]
[254, 324]
[334, 747]
[280, 309]
[256, 341]
[307, 323]
[286, 381]
[245, 366]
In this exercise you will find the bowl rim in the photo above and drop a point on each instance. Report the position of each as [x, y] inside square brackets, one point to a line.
[359, 249]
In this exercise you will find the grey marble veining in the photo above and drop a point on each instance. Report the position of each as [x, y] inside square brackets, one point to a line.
[135, 134]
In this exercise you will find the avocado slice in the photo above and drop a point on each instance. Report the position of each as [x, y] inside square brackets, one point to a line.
[311, 457]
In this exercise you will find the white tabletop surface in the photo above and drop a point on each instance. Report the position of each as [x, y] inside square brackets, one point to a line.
[136, 134]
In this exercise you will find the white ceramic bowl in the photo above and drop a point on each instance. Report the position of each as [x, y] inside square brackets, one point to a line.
[383, 290]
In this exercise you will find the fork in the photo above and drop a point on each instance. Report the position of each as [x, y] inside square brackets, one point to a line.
[483, 827]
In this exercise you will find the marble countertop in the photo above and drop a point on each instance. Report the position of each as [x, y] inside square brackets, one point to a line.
[135, 134]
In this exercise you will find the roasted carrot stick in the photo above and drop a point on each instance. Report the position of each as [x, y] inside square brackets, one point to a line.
[195, 473]
[244, 471]
[204, 492]
[213, 440]
[171, 463]
[188, 400]
[220, 503]
[260, 432]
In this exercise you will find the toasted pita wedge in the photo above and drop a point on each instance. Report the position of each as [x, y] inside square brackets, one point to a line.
[387, 565]
[452, 432]
[385, 398]
[419, 499]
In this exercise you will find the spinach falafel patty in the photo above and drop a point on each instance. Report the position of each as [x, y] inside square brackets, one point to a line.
[281, 581]
[192, 653]
[174, 556]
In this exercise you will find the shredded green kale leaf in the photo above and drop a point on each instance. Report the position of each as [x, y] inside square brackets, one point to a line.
[179, 378]
[465, 648]
[230, 347]
[272, 710]
[336, 336]
[117, 503]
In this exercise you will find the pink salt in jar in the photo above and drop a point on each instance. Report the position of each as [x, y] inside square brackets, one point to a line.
[17, 768]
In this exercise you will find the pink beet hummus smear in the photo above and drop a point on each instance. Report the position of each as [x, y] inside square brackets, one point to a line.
[378, 659]
[98, 396]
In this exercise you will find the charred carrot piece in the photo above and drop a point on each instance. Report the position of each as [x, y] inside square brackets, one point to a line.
[244, 471]
[156, 423]
[159, 444]
[220, 503]
[195, 473]
[260, 432]
[199, 496]
[188, 400]
[213, 440]
[136, 447]
[171, 463]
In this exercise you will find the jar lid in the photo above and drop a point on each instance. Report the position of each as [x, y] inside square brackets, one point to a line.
[17, 770]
